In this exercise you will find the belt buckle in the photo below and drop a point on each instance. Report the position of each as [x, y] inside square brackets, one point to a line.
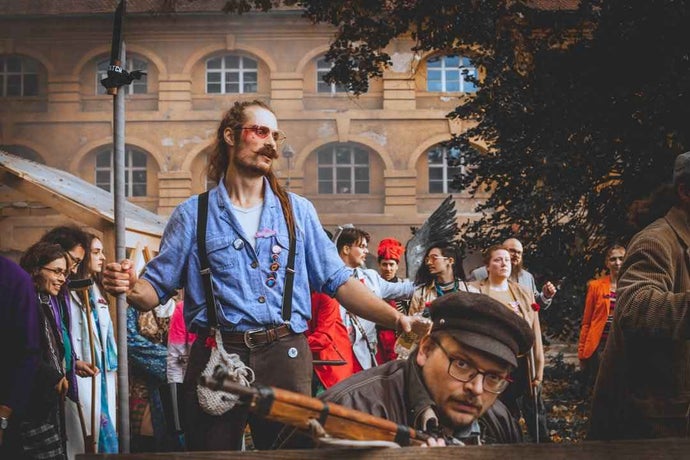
[248, 339]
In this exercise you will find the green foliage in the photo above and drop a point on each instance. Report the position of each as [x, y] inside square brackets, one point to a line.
[582, 111]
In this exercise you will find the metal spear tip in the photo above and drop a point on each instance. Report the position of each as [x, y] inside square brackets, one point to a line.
[137, 74]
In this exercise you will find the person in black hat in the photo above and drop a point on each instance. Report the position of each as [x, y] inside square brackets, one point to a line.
[451, 382]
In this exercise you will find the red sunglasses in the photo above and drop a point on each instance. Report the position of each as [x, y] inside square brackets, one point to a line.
[263, 131]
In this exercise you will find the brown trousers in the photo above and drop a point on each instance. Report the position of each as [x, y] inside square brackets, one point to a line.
[272, 366]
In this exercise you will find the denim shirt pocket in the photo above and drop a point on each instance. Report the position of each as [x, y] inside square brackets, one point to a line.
[221, 254]
[283, 240]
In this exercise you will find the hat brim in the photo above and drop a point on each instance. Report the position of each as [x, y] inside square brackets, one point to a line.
[486, 344]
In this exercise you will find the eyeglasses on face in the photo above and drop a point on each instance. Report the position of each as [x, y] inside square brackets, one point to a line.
[263, 131]
[56, 271]
[431, 258]
[75, 260]
[464, 372]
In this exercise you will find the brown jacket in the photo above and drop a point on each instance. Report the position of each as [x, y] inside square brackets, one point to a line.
[643, 388]
[396, 391]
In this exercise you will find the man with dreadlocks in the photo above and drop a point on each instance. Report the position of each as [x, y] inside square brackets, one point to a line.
[251, 224]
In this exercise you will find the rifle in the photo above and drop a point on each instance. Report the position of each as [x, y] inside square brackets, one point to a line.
[302, 412]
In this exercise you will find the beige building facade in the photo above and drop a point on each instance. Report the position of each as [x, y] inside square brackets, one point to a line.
[375, 161]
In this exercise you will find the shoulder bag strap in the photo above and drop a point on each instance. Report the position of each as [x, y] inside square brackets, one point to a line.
[205, 269]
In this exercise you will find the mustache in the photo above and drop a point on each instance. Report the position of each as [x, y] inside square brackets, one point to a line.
[269, 151]
[472, 402]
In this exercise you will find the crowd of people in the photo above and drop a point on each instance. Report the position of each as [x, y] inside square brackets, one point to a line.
[250, 265]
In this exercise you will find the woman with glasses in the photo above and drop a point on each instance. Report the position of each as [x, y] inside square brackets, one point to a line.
[105, 351]
[520, 396]
[41, 428]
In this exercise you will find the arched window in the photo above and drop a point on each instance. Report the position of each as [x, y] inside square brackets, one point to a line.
[231, 74]
[444, 165]
[322, 68]
[447, 74]
[343, 168]
[135, 170]
[18, 76]
[136, 87]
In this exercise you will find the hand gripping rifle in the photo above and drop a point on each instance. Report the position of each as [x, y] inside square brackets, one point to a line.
[302, 412]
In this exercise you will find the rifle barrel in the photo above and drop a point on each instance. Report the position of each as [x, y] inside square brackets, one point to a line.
[298, 410]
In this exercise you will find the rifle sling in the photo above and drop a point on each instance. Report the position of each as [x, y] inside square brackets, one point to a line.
[402, 436]
[324, 413]
[264, 400]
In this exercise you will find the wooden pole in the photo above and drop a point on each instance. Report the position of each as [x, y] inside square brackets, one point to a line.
[90, 441]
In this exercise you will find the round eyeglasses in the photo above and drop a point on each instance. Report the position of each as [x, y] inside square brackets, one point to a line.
[464, 372]
[431, 258]
[263, 131]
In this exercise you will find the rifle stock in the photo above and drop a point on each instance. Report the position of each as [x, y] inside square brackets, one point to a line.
[298, 410]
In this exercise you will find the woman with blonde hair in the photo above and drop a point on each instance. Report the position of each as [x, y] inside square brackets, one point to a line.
[520, 395]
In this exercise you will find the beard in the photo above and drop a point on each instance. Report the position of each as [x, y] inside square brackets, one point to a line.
[515, 269]
[253, 169]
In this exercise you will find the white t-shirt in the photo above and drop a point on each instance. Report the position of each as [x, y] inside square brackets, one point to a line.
[249, 220]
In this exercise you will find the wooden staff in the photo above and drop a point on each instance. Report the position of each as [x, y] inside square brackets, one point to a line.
[82, 286]
[534, 390]
[298, 410]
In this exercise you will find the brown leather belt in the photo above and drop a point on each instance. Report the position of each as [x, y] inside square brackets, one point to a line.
[256, 337]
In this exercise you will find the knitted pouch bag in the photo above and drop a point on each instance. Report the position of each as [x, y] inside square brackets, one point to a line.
[218, 402]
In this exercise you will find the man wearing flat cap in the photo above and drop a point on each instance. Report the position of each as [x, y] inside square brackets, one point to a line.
[451, 382]
[643, 386]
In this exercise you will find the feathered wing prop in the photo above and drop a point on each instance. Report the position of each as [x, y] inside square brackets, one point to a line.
[440, 228]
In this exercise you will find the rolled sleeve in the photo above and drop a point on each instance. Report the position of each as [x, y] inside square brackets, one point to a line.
[166, 271]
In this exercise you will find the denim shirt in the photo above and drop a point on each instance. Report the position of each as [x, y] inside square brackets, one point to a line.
[240, 272]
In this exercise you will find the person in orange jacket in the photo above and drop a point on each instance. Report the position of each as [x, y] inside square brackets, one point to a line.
[598, 315]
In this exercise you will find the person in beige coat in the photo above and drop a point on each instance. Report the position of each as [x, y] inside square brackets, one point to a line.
[528, 377]
[643, 388]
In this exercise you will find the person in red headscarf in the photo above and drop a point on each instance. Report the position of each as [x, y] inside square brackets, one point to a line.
[389, 252]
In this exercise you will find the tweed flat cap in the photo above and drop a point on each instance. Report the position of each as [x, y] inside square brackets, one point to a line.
[483, 323]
